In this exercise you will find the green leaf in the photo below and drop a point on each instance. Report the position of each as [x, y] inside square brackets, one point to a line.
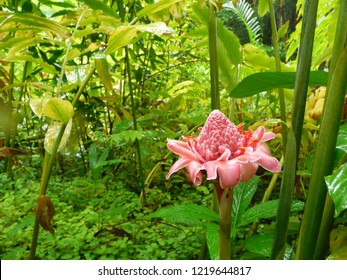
[265, 81]
[58, 109]
[262, 245]
[98, 5]
[283, 30]
[264, 210]
[156, 7]
[103, 71]
[212, 239]
[52, 135]
[35, 22]
[336, 184]
[263, 7]
[121, 37]
[189, 214]
[341, 143]
[243, 194]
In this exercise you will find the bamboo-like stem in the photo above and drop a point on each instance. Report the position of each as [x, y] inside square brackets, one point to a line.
[278, 69]
[324, 157]
[133, 113]
[213, 49]
[225, 207]
[294, 134]
[325, 227]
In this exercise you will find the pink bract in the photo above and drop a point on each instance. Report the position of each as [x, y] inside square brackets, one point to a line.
[223, 151]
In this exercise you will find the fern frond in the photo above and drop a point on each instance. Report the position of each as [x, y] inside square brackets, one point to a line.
[244, 11]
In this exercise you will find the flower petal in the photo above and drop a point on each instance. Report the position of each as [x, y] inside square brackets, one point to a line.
[181, 148]
[248, 171]
[229, 173]
[180, 163]
[194, 169]
[266, 160]
[268, 136]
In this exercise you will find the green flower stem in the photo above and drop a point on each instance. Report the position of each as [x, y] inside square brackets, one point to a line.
[294, 134]
[48, 164]
[213, 48]
[225, 207]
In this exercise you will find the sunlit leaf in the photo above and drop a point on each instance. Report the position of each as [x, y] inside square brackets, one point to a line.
[58, 109]
[265, 81]
[52, 135]
[283, 30]
[336, 184]
[99, 5]
[263, 7]
[156, 7]
[37, 105]
[103, 71]
[35, 22]
[121, 37]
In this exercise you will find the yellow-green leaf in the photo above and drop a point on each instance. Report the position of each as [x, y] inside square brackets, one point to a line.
[121, 37]
[58, 109]
[263, 7]
[52, 135]
[156, 7]
[103, 72]
[283, 30]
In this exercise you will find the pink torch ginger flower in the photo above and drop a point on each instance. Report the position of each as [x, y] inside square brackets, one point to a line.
[224, 151]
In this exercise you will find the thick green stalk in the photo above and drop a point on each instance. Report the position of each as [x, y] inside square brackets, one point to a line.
[325, 227]
[324, 156]
[294, 135]
[213, 48]
[48, 164]
[225, 207]
[278, 69]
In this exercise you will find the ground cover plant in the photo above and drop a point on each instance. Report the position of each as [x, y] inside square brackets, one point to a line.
[102, 101]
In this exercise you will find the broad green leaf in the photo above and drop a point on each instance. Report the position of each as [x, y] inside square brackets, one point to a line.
[35, 22]
[190, 214]
[336, 184]
[23, 57]
[58, 109]
[212, 239]
[243, 194]
[103, 71]
[99, 5]
[265, 210]
[121, 37]
[265, 81]
[156, 7]
[37, 105]
[341, 143]
[52, 135]
[262, 245]
[283, 30]
[263, 7]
